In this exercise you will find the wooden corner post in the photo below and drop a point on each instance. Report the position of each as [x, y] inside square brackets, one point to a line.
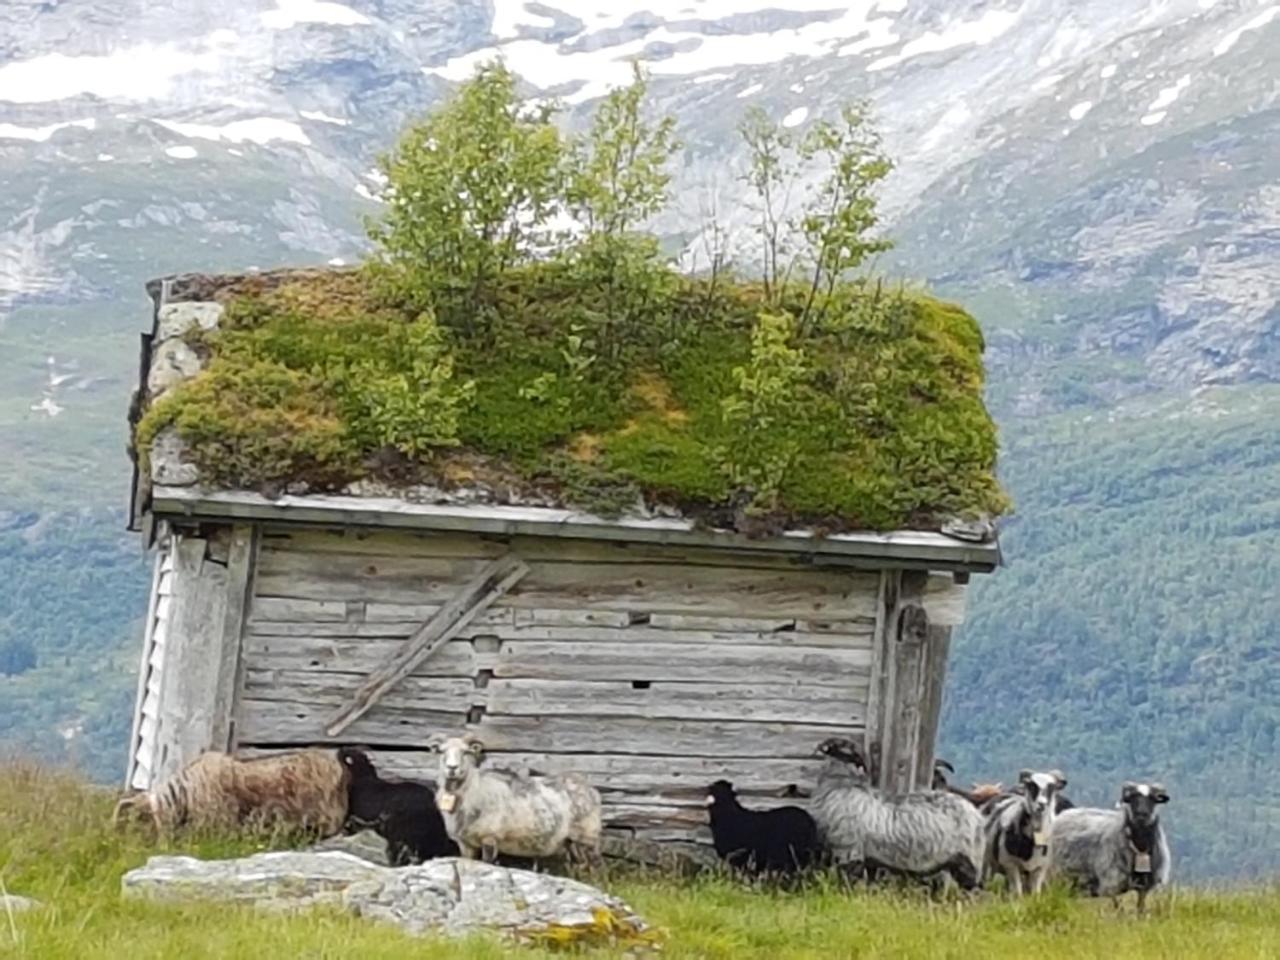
[901, 684]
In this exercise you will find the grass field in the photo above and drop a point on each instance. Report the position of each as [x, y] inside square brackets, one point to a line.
[55, 845]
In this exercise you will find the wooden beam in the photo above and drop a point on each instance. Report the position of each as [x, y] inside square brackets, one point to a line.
[899, 548]
[241, 559]
[493, 581]
[937, 649]
[908, 627]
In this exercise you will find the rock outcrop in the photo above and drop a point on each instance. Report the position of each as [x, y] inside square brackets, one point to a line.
[447, 897]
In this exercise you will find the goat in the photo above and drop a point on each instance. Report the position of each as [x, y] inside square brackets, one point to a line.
[1019, 836]
[783, 840]
[523, 815]
[1110, 852]
[916, 833]
[307, 790]
[403, 813]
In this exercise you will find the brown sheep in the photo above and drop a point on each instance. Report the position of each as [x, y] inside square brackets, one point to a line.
[307, 790]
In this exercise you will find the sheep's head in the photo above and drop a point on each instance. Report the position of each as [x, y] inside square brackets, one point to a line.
[1040, 796]
[940, 770]
[1140, 800]
[720, 792]
[459, 756]
[135, 807]
[357, 763]
[846, 751]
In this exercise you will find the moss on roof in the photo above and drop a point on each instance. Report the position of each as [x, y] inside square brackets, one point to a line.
[867, 416]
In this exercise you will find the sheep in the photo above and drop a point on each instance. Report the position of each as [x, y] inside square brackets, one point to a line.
[404, 814]
[979, 795]
[784, 840]
[1019, 838]
[307, 790]
[917, 833]
[1110, 852]
[493, 811]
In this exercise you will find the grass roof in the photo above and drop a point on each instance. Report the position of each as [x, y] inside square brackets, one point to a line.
[867, 415]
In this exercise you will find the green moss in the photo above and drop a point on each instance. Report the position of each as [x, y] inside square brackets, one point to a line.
[868, 415]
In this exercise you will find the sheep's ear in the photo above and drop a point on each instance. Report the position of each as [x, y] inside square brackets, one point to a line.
[1127, 790]
[1159, 794]
[1060, 777]
[476, 748]
[1024, 776]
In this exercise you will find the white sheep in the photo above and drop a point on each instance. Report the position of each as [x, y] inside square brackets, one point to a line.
[493, 811]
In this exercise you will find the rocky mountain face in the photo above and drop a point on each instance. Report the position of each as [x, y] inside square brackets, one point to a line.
[1097, 181]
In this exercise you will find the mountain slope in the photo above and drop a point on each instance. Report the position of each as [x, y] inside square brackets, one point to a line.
[1094, 180]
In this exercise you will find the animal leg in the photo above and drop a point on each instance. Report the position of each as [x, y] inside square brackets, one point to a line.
[488, 852]
[1037, 881]
[1015, 882]
[465, 851]
[1142, 901]
[963, 872]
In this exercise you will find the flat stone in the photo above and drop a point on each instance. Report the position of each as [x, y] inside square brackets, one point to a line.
[284, 880]
[172, 361]
[176, 319]
[12, 903]
[449, 896]
[170, 462]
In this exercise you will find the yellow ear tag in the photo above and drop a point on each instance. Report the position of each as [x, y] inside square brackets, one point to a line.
[447, 801]
[1041, 838]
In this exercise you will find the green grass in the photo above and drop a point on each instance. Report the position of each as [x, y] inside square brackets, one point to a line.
[56, 845]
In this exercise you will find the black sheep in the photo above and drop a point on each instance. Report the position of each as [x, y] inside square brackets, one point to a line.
[401, 812]
[766, 841]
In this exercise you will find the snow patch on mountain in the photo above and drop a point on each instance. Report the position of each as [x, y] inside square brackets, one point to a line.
[10, 131]
[259, 130]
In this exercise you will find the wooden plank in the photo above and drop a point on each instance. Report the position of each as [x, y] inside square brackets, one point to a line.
[139, 699]
[880, 686]
[548, 660]
[188, 689]
[937, 649]
[305, 722]
[493, 581]
[464, 546]
[279, 722]
[268, 609]
[674, 700]
[496, 627]
[333, 690]
[944, 600]
[902, 548]
[674, 661]
[693, 701]
[456, 659]
[712, 738]
[241, 559]
[898, 770]
[647, 588]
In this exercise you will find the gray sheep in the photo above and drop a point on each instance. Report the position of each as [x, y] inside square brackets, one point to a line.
[1110, 852]
[916, 833]
[488, 811]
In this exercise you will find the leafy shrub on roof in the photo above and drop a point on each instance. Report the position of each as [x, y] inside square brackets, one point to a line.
[517, 325]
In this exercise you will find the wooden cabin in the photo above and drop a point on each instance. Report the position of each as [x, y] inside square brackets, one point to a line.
[653, 656]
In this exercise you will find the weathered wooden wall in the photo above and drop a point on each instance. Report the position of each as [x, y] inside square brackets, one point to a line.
[652, 670]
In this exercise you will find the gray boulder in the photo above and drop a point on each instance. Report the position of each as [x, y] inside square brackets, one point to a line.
[447, 897]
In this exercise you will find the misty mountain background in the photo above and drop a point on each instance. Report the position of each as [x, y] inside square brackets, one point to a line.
[1097, 181]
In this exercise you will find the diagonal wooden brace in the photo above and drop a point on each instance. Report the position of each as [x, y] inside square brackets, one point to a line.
[492, 582]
